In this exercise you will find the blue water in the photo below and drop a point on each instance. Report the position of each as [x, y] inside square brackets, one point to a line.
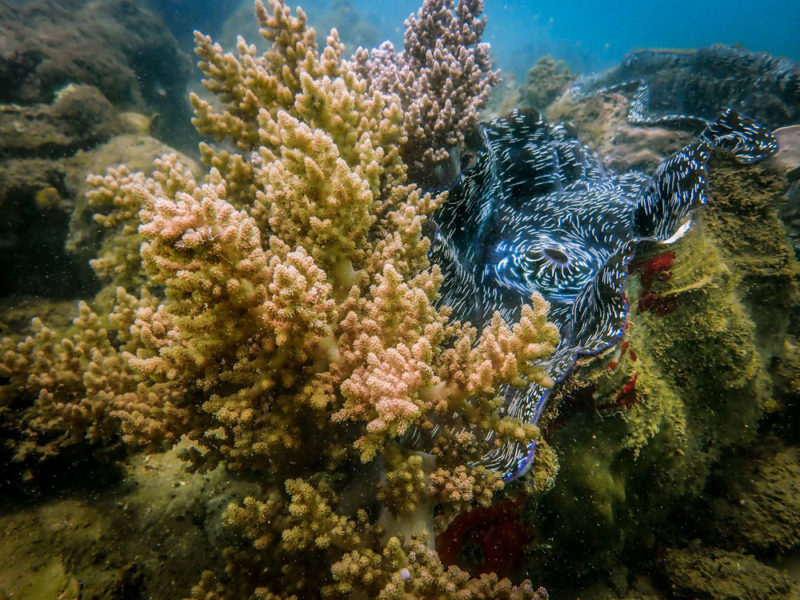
[588, 35]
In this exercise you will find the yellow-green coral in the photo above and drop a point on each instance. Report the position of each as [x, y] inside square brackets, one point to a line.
[412, 570]
[399, 568]
[70, 378]
[280, 314]
[405, 481]
[115, 200]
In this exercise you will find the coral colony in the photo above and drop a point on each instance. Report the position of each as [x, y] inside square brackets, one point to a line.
[280, 313]
[442, 78]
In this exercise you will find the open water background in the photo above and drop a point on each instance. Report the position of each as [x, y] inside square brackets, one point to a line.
[588, 35]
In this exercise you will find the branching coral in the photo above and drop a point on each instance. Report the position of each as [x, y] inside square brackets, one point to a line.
[442, 78]
[115, 199]
[69, 378]
[280, 314]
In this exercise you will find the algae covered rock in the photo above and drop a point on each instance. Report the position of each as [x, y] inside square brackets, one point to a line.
[699, 82]
[744, 216]
[603, 125]
[759, 508]
[546, 81]
[719, 575]
[640, 428]
[79, 117]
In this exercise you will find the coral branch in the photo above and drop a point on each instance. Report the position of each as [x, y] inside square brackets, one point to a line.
[442, 78]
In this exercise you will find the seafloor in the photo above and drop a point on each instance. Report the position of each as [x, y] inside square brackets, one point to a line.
[667, 466]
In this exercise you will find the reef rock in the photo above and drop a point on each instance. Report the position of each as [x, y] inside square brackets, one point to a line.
[80, 117]
[721, 575]
[47, 45]
[603, 125]
[702, 82]
[114, 545]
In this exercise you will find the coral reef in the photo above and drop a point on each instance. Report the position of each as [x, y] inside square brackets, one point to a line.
[261, 382]
[442, 77]
[47, 45]
[278, 315]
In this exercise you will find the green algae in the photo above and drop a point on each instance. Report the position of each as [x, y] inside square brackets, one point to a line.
[744, 215]
[720, 575]
[758, 502]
